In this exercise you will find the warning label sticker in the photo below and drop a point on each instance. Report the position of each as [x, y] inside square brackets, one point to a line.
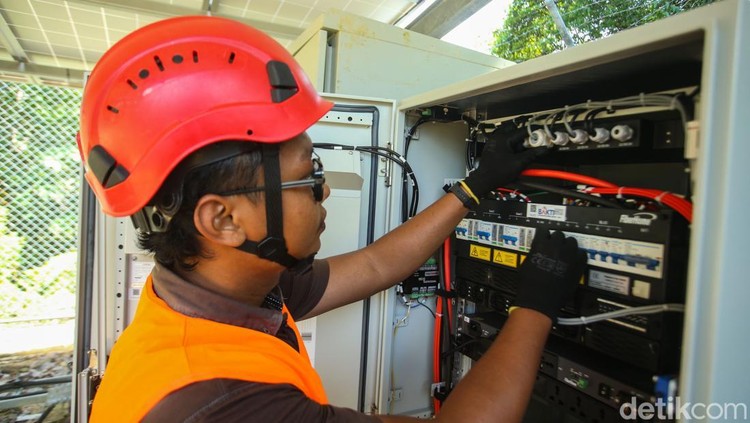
[505, 258]
[482, 253]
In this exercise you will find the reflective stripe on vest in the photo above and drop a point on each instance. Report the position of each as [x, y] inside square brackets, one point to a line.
[162, 351]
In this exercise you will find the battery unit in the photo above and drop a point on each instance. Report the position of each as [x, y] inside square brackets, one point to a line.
[581, 370]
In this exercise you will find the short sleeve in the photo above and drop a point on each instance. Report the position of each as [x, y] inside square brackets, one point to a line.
[303, 292]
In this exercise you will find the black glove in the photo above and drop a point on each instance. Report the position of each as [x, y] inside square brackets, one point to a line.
[550, 274]
[503, 159]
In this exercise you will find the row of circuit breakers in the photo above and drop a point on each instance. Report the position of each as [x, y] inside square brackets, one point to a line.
[635, 258]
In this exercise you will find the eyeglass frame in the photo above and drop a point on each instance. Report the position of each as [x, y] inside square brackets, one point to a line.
[315, 181]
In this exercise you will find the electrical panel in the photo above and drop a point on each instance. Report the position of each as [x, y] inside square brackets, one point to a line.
[635, 161]
[605, 190]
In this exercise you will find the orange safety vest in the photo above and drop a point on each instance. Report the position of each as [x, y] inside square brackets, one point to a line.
[162, 351]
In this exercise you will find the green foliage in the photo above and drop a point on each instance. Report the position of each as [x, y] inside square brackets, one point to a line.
[10, 250]
[529, 31]
[13, 298]
[39, 168]
[39, 196]
[59, 273]
[40, 291]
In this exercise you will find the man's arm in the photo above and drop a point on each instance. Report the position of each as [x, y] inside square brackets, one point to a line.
[390, 259]
[499, 385]
[396, 255]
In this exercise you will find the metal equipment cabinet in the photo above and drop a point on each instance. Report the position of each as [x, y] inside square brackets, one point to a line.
[707, 48]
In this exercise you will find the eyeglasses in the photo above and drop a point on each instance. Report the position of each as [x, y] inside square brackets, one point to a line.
[315, 182]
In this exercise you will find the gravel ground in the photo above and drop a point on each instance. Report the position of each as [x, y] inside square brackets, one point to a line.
[53, 405]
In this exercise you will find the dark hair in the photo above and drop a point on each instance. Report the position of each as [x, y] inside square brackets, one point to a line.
[178, 245]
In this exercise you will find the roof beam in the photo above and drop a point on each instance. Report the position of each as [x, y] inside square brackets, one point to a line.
[445, 15]
[10, 42]
[166, 10]
[70, 77]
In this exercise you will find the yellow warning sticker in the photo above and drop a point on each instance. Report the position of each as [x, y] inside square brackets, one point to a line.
[482, 253]
[505, 258]
[523, 257]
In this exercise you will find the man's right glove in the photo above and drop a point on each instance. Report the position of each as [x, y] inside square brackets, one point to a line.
[503, 159]
[550, 274]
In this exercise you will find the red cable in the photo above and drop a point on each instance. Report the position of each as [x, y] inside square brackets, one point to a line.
[568, 176]
[437, 376]
[682, 206]
[436, 352]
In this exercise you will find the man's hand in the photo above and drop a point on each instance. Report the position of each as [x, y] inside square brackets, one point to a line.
[550, 274]
[503, 159]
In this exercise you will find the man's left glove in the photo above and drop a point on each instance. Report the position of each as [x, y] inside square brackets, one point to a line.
[550, 274]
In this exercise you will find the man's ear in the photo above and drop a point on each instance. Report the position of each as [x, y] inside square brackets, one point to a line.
[215, 218]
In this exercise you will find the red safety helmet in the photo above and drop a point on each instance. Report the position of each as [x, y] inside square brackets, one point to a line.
[180, 84]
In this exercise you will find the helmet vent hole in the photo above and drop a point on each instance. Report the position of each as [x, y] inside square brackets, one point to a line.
[143, 74]
[132, 84]
[177, 59]
[231, 58]
[195, 56]
[113, 109]
[159, 64]
[249, 131]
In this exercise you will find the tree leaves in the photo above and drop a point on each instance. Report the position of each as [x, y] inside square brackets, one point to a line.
[39, 194]
[529, 31]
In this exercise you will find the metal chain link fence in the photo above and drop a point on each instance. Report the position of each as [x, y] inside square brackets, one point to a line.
[39, 200]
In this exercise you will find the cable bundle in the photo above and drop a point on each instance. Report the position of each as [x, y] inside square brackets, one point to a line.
[393, 156]
[599, 186]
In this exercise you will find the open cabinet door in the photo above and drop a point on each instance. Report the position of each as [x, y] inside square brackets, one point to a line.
[344, 343]
[86, 369]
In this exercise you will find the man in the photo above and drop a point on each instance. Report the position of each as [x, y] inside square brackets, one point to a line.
[195, 127]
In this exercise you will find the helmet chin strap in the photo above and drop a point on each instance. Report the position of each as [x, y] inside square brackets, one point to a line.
[273, 246]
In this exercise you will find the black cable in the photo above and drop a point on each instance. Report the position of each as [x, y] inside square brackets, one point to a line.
[411, 131]
[427, 307]
[380, 151]
[459, 347]
[471, 140]
[588, 120]
[370, 239]
[570, 193]
[554, 117]
[407, 211]
[571, 119]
